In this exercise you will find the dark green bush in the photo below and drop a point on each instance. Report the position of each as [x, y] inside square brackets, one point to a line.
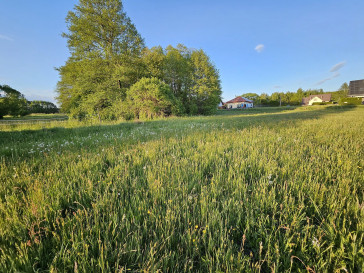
[322, 103]
[350, 101]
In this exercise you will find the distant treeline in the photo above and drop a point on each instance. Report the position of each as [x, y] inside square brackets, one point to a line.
[294, 98]
[13, 103]
[111, 74]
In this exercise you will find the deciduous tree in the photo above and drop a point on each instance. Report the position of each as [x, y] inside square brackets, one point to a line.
[105, 57]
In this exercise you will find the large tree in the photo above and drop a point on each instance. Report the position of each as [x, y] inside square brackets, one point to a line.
[206, 86]
[12, 102]
[191, 75]
[178, 72]
[105, 57]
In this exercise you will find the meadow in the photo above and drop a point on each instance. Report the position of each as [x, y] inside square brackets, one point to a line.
[259, 190]
[35, 117]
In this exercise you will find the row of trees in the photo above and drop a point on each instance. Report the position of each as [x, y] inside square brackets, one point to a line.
[294, 98]
[13, 103]
[111, 74]
[42, 107]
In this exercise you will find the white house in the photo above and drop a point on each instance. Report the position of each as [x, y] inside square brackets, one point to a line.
[239, 103]
[316, 99]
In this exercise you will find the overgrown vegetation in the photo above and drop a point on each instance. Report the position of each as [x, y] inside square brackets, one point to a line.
[108, 57]
[264, 190]
[350, 101]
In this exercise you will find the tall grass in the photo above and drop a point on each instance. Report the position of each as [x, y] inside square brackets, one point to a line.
[259, 191]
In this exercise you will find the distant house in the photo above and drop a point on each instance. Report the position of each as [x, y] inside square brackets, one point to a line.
[316, 99]
[239, 103]
[356, 89]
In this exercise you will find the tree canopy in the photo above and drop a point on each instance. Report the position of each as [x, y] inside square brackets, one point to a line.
[12, 102]
[108, 57]
[105, 57]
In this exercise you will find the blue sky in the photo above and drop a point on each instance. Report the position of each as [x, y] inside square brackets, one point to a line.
[258, 46]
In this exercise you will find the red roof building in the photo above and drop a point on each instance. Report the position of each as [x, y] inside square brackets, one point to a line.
[239, 102]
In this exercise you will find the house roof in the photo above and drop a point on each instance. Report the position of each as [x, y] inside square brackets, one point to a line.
[239, 99]
[323, 97]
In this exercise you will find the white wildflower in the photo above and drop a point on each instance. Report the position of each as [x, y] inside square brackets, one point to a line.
[315, 242]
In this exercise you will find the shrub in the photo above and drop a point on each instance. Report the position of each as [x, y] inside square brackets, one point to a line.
[350, 101]
[322, 103]
[150, 98]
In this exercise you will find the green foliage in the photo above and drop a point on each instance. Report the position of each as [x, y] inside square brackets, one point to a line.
[266, 190]
[206, 88]
[322, 103]
[150, 98]
[108, 57]
[254, 97]
[105, 58]
[192, 77]
[154, 60]
[350, 101]
[45, 107]
[294, 98]
[341, 93]
[12, 102]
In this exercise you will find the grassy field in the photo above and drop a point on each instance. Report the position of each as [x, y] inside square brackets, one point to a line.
[35, 117]
[260, 190]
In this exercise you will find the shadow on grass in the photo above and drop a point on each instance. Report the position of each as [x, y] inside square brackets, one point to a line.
[268, 117]
[252, 111]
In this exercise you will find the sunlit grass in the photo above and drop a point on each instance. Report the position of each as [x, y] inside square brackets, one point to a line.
[275, 190]
[35, 116]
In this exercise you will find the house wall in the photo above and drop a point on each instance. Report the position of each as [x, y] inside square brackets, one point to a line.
[238, 105]
[315, 99]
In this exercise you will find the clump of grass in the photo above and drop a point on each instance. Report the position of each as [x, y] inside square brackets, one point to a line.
[264, 192]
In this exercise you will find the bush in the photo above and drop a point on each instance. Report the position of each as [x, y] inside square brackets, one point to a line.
[322, 103]
[350, 101]
[150, 98]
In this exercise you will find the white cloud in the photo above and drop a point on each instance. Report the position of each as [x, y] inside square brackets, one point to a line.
[259, 48]
[337, 66]
[335, 69]
[337, 74]
[3, 37]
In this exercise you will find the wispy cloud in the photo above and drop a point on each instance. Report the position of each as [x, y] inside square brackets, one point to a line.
[337, 74]
[3, 37]
[259, 48]
[337, 66]
[277, 86]
[334, 70]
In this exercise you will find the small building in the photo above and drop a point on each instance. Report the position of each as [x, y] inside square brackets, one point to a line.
[316, 99]
[239, 103]
[356, 89]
